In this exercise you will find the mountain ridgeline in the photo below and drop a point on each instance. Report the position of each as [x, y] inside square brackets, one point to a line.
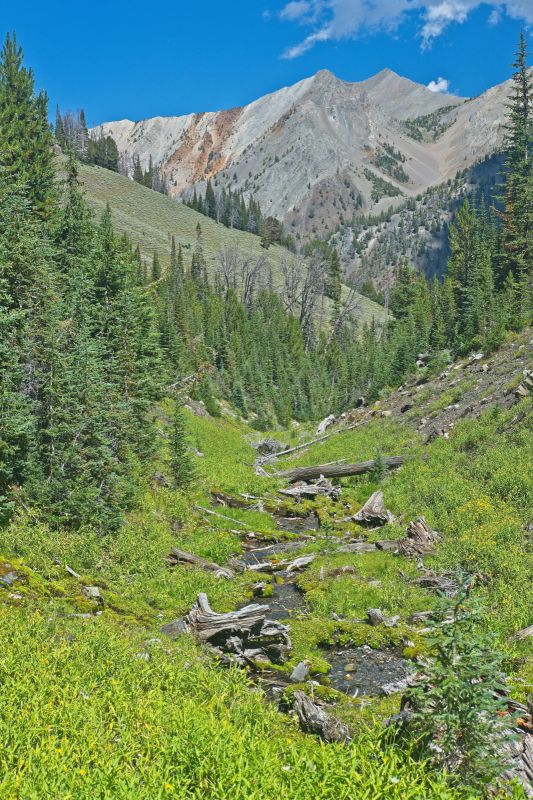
[345, 162]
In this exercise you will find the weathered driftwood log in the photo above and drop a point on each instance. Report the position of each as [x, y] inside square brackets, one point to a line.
[361, 421]
[233, 502]
[374, 512]
[281, 566]
[322, 487]
[314, 719]
[358, 547]
[220, 516]
[325, 424]
[177, 556]
[420, 539]
[335, 470]
[377, 617]
[388, 545]
[439, 583]
[300, 563]
[525, 633]
[246, 634]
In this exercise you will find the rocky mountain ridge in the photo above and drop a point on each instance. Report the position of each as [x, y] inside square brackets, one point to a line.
[319, 153]
[314, 131]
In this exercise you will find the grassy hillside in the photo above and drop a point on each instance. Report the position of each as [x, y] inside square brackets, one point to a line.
[127, 713]
[150, 219]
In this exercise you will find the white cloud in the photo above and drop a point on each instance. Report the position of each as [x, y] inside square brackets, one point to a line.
[333, 20]
[495, 16]
[296, 10]
[441, 85]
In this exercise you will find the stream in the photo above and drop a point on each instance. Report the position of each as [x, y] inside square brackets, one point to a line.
[354, 671]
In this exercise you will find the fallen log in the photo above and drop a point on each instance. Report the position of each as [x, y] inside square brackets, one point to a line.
[314, 719]
[229, 500]
[439, 583]
[335, 470]
[283, 565]
[420, 539]
[177, 556]
[377, 617]
[322, 487]
[358, 547]
[525, 633]
[220, 516]
[323, 438]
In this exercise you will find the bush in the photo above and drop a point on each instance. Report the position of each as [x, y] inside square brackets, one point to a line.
[459, 721]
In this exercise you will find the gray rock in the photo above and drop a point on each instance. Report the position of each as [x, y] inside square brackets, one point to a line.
[9, 579]
[175, 628]
[92, 593]
[300, 672]
[393, 688]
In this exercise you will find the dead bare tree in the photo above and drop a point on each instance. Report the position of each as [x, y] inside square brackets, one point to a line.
[346, 312]
[303, 290]
[241, 274]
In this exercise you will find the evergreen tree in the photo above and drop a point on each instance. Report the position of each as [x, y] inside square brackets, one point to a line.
[156, 267]
[25, 135]
[210, 203]
[517, 237]
[198, 265]
[180, 459]
[458, 720]
[59, 131]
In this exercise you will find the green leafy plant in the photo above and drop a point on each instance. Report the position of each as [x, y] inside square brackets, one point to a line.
[379, 470]
[459, 720]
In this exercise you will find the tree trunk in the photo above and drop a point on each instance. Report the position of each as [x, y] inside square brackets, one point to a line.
[335, 470]
[314, 719]
[177, 556]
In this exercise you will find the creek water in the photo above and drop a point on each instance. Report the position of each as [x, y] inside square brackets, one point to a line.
[354, 671]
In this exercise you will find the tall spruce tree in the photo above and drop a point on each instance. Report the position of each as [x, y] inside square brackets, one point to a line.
[25, 135]
[517, 236]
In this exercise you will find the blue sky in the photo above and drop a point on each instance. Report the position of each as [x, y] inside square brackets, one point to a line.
[135, 59]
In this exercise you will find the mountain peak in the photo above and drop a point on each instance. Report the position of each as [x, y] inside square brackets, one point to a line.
[325, 76]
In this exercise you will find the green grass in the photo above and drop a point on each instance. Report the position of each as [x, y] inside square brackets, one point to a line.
[88, 718]
[150, 220]
[85, 715]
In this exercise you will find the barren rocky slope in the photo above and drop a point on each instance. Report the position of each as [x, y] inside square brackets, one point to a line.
[314, 147]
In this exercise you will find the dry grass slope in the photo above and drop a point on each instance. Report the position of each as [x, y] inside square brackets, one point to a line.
[150, 219]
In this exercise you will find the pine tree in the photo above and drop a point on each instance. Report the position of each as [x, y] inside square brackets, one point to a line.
[458, 720]
[198, 265]
[180, 459]
[59, 130]
[517, 236]
[82, 143]
[25, 135]
[156, 267]
[210, 203]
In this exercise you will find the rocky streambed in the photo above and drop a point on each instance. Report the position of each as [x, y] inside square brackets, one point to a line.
[354, 671]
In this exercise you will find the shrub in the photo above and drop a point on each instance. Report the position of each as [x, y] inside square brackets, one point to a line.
[459, 720]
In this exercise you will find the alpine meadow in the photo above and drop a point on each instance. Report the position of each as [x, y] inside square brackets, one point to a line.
[266, 381]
